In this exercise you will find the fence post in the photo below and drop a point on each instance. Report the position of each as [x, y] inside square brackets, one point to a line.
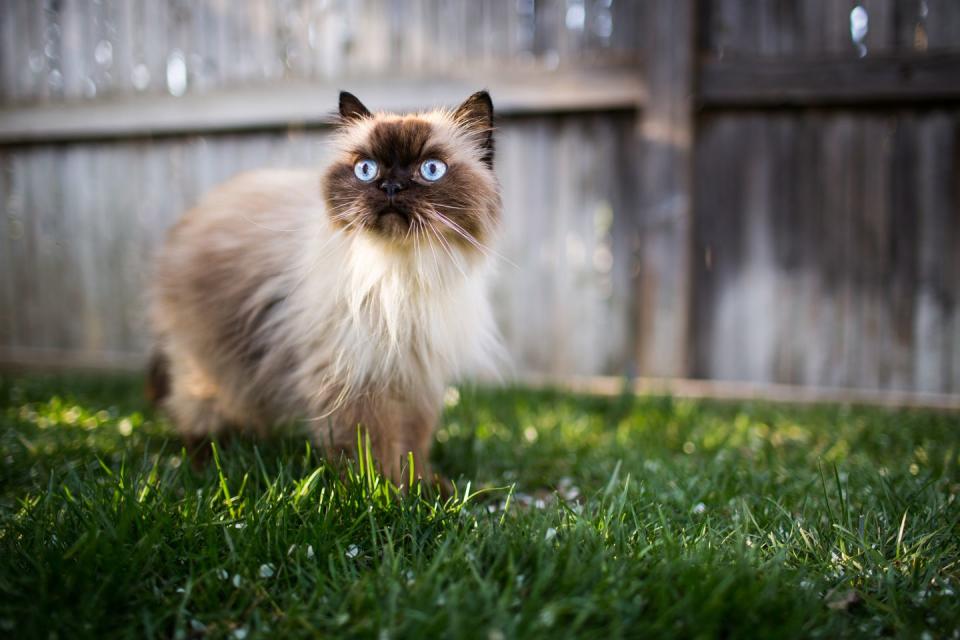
[665, 140]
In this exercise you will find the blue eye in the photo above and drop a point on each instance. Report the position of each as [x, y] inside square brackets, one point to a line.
[433, 170]
[365, 170]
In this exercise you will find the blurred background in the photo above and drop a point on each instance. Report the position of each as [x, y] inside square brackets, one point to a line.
[762, 191]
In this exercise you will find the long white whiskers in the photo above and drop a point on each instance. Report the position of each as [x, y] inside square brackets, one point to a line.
[487, 251]
[448, 250]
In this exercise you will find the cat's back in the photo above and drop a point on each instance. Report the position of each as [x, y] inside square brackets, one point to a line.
[254, 200]
[235, 246]
[258, 215]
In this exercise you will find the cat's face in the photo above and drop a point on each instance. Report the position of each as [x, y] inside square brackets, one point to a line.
[415, 179]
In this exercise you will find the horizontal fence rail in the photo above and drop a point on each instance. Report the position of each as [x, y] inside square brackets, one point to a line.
[291, 105]
[913, 80]
[734, 391]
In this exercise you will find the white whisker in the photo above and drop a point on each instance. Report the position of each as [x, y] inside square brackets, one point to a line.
[449, 251]
[487, 251]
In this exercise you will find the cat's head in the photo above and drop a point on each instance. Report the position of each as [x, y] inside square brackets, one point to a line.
[418, 178]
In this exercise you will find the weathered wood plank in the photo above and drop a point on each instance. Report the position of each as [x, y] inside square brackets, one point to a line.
[283, 105]
[8, 58]
[785, 220]
[857, 292]
[903, 246]
[873, 80]
[45, 230]
[750, 305]
[10, 231]
[941, 24]
[937, 227]
[666, 131]
[24, 257]
[232, 44]
[565, 317]
[840, 185]
[882, 29]
[871, 240]
[813, 313]
[744, 391]
[555, 302]
[718, 230]
[826, 249]
[18, 358]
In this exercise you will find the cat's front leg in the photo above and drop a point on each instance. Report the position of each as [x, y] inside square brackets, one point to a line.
[413, 434]
[396, 429]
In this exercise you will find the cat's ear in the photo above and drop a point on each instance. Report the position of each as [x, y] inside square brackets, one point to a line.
[351, 108]
[476, 114]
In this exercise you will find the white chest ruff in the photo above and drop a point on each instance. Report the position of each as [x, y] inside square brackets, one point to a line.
[371, 320]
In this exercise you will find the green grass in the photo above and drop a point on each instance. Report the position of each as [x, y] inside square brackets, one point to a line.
[627, 517]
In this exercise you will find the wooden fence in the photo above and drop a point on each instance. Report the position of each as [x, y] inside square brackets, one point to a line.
[755, 191]
[826, 237]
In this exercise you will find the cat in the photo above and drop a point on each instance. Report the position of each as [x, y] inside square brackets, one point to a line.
[348, 298]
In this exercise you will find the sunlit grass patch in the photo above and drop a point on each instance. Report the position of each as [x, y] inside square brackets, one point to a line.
[574, 516]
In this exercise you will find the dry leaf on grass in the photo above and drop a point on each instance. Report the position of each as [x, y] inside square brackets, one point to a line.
[841, 600]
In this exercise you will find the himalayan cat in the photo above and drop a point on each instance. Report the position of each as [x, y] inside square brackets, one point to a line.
[347, 298]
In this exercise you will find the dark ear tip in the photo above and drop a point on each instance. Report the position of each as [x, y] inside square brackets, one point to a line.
[478, 105]
[483, 96]
[347, 99]
[350, 107]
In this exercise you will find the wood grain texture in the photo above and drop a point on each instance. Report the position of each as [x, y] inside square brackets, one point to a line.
[919, 79]
[821, 28]
[225, 44]
[76, 269]
[729, 190]
[827, 256]
[666, 132]
[296, 104]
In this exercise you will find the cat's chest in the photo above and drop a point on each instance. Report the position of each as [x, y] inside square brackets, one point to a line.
[366, 321]
[434, 329]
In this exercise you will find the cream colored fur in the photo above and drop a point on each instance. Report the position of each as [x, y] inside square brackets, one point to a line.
[268, 312]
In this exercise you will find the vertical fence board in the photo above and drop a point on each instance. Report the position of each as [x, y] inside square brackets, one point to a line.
[941, 24]
[718, 242]
[785, 248]
[666, 134]
[903, 244]
[937, 229]
[811, 318]
[873, 235]
[10, 231]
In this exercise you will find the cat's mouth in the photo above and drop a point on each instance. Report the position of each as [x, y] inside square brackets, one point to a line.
[392, 221]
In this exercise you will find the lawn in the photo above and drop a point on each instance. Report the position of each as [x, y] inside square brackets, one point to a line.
[576, 517]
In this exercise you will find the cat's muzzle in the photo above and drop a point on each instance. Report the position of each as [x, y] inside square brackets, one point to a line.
[393, 220]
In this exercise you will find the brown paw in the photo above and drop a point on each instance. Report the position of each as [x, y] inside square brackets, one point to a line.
[199, 451]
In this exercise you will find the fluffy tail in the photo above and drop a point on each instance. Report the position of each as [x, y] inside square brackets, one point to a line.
[158, 377]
